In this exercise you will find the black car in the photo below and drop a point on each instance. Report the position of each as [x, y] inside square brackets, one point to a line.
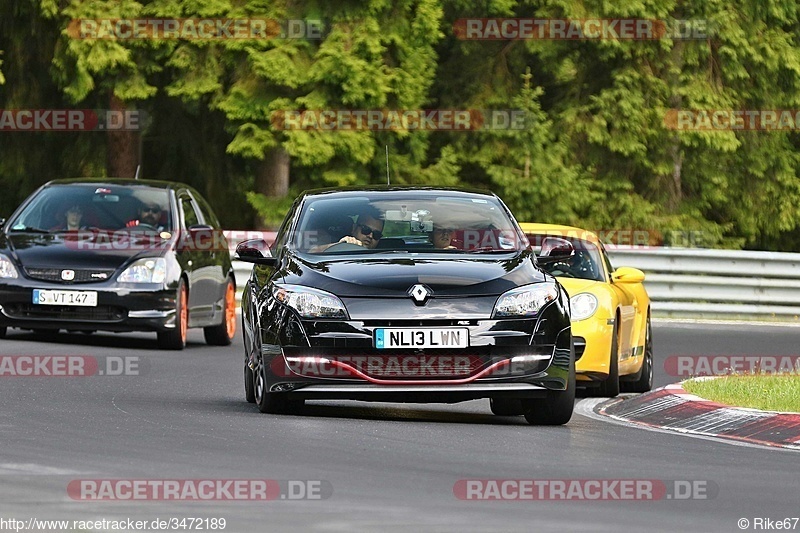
[117, 255]
[409, 295]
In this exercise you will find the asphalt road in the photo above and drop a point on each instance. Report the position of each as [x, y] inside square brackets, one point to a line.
[384, 467]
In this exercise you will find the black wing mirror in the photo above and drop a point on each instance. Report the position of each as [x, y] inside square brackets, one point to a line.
[255, 251]
[555, 249]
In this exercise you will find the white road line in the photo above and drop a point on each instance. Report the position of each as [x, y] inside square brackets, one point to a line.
[689, 322]
[33, 469]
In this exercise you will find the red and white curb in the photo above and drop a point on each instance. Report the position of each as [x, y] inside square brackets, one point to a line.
[671, 408]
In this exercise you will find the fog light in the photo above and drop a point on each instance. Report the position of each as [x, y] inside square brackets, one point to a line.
[520, 365]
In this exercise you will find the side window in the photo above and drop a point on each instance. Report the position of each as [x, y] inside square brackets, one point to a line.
[189, 214]
[283, 231]
[208, 214]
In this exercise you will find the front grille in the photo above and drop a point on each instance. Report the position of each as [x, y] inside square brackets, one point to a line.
[101, 313]
[418, 366]
[409, 364]
[85, 275]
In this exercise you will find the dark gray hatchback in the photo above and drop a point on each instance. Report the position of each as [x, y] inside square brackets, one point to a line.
[117, 255]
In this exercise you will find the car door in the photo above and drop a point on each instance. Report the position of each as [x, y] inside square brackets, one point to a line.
[628, 305]
[217, 250]
[196, 262]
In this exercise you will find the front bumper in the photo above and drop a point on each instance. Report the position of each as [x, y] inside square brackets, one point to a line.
[596, 333]
[120, 307]
[513, 358]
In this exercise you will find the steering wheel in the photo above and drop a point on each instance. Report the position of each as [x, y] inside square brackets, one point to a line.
[142, 226]
[344, 247]
[560, 269]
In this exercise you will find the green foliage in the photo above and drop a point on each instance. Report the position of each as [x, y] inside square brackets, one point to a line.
[595, 152]
[272, 210]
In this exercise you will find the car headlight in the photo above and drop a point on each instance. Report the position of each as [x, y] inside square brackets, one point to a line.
[147, 270]
[583, 305]
[308, 302]
[526, 300]
[7, 268]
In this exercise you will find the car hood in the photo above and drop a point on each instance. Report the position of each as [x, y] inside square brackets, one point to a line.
[64, 250]
[394, 276]
[575, 286]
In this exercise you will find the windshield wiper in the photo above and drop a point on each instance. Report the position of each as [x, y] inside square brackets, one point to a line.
[29, 229]
[488, 250]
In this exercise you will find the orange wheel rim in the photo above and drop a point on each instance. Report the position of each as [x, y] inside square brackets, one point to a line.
[230, 311]
[184, 314]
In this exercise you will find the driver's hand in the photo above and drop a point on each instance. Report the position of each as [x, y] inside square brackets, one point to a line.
[351, 240]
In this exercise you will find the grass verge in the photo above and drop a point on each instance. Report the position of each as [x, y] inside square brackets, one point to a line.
[770, 392]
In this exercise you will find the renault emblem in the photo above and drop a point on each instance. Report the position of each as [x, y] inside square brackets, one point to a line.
[419, 293]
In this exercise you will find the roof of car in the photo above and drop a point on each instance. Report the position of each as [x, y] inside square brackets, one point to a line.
[348, 191]
[558, 229]
[127, 182]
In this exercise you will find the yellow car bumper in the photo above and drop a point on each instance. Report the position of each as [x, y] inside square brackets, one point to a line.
[594, 333]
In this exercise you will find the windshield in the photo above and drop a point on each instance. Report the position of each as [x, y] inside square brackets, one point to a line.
[95, 207]
[406, 221]
[585, 264]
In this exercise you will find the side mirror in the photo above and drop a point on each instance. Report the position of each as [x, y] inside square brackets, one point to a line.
[251, 252]
[204, 227]
[555, 249]
[627, 275]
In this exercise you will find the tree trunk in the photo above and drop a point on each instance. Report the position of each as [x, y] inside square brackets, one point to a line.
[677, 165]
[122, 140]
[272, 177]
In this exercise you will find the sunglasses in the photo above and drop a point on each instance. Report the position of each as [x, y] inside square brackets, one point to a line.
[151, 210]
[366, 230]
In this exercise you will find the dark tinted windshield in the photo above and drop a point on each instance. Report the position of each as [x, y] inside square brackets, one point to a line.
[106, 207]
[417, 221]
[585, 264]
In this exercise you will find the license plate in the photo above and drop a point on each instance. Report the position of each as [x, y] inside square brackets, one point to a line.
[421, 338]
[78, 298]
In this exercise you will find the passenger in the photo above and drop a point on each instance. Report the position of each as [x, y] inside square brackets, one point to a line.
[442, 238]
[72, 219]
[367, 232]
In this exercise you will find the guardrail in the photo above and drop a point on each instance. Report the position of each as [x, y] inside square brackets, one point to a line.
[733, 284]
[688, 282]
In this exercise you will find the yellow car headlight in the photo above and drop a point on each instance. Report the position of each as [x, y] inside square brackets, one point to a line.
[583, 305]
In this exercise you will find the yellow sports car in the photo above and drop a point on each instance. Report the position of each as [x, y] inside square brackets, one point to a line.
[610, 313]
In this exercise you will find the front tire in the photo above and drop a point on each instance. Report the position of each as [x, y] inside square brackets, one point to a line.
[249, 385]
[645, 381]
[175, 339]
[249, 377]
[506, 406]
[222, 334]
[556, 408]
[610, 387]
[275, 403]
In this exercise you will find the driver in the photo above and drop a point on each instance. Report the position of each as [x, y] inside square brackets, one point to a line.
[149, 213]
[577, 266]
[367, 232]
